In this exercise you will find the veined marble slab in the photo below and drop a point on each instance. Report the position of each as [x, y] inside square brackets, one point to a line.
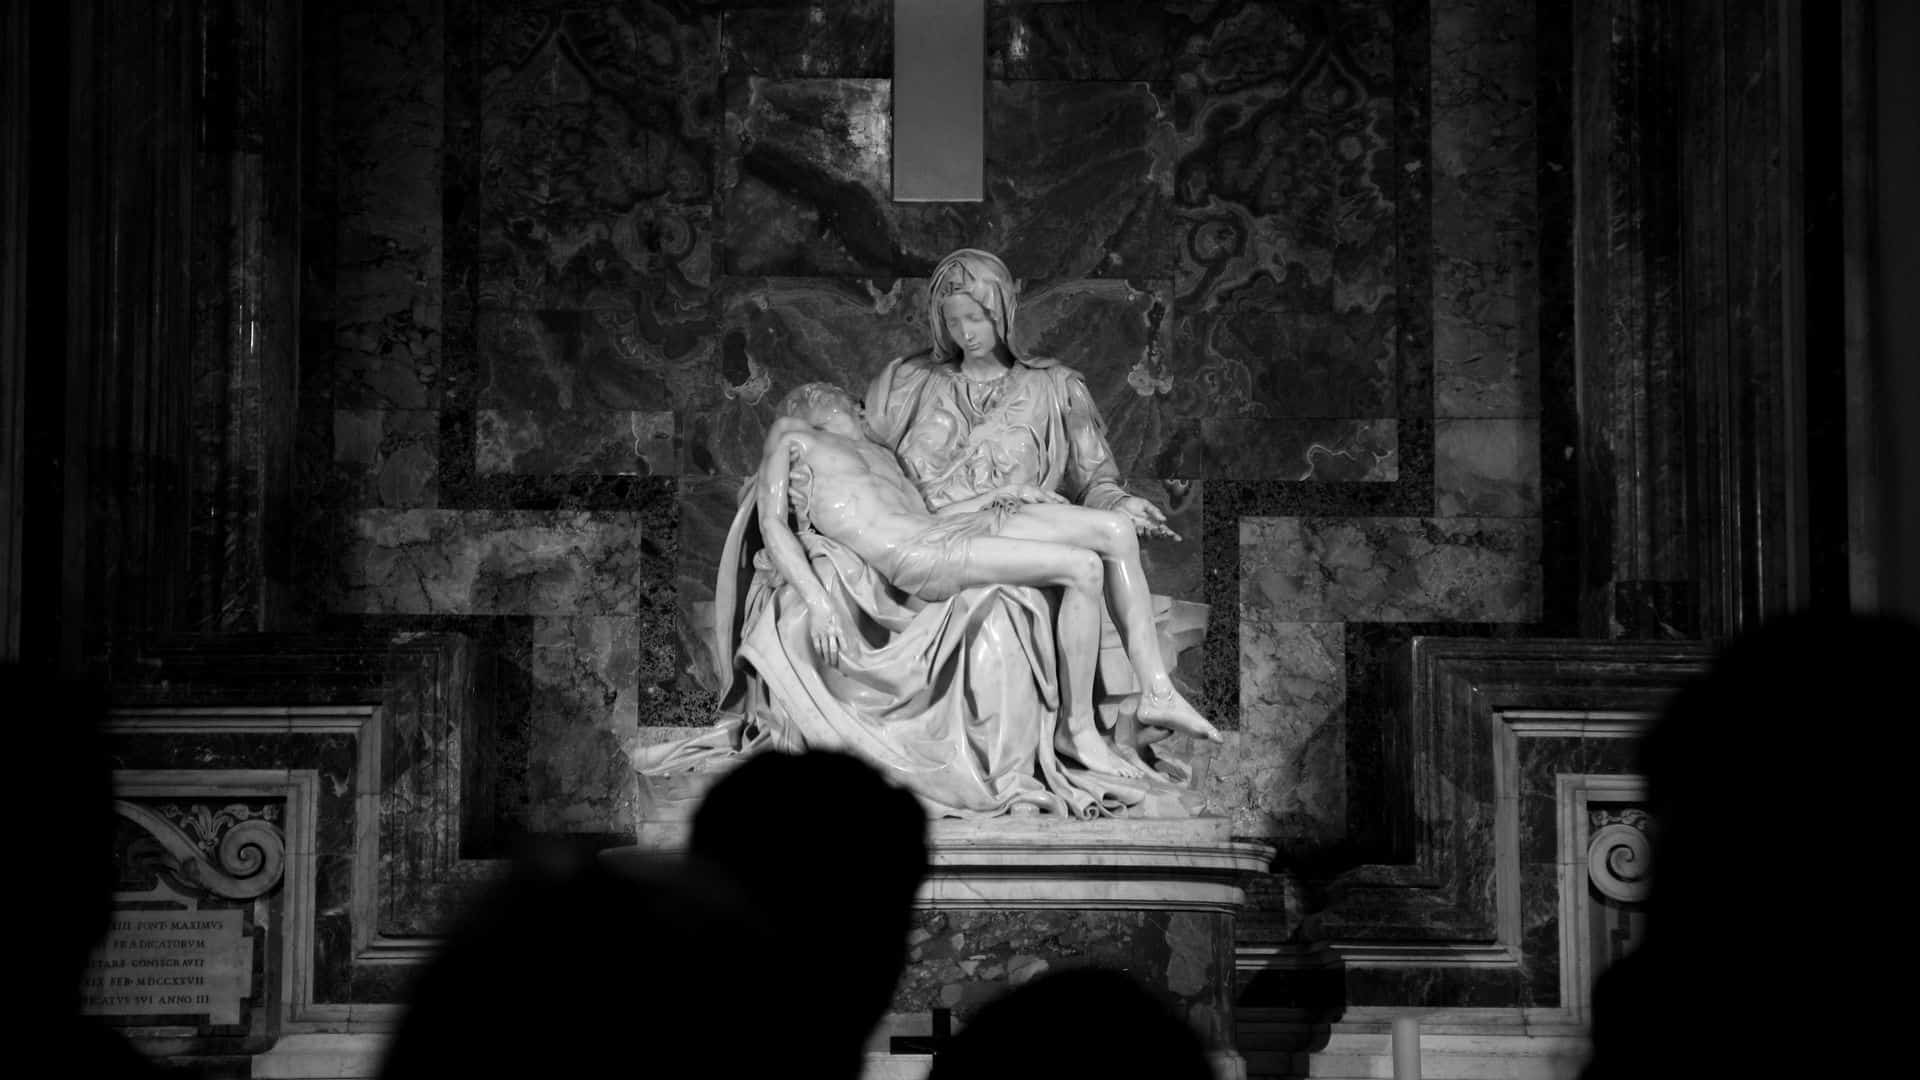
[1191, 864]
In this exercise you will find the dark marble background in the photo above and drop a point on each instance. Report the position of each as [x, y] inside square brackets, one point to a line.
[563, 258]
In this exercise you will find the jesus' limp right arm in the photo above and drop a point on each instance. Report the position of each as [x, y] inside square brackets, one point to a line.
[786, 445]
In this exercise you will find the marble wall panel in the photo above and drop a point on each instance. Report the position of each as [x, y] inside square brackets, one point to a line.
[778, 333]
[598, 125]
[507, 562]
[1078, 176]
[555, 361]
[1282, 775]
[386, 292]
[1105, 39]
[1284, 210]
[1540, 933]
[387, 457]
[1486, 467]
[1118, 334]
[1436, 987]
[1486, 227]
[1302, 450]
[562, 442]
[1541, 761]
[1228, 46]
[587, 676]
[851, 39]
[1392, 569]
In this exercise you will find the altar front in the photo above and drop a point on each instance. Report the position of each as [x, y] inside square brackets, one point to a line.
[1008, 899]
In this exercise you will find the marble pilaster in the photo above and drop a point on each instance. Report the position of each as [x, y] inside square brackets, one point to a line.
[1636, 509]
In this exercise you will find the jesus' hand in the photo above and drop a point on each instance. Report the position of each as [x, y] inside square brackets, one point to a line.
[823, 628]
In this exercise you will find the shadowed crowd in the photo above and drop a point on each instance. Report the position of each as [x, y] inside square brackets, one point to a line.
[773, 945]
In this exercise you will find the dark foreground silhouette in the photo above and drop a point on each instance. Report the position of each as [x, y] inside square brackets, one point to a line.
[832, 855]
[61, 757]
[1082, 1022]
[1779, 792]
[770, 950]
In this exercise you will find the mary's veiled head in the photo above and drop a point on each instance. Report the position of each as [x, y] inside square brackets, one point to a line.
[981, 276]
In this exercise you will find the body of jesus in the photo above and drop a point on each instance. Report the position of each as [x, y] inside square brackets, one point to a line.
[854, 492]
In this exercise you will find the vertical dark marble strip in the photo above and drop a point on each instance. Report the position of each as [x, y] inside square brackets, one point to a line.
[460, 209]
[1559, 400]
[1703, 122]
[246, 335]
[121, 146]
[1220, 569]
[1741, 233]
[1829, 500]
[1413, 251]
[41, 600]
[318, 513]
[1754, 205]
[15, 184]
[1598, 464]
[460, 206]
[208, 374]
[1635, 356]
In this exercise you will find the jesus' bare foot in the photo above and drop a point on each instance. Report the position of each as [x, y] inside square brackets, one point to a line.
[1132, 757]
[1095, 753]
[1165, 708]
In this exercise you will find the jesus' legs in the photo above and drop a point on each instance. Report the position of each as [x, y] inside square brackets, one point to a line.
[1112, 537]
[1077, 571]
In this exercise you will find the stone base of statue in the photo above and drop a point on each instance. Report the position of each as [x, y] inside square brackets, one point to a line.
[1011, 898]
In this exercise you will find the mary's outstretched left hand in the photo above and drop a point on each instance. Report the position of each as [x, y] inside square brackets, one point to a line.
[1148, 519]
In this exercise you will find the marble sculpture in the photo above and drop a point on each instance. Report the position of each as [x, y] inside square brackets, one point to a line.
[946, 580]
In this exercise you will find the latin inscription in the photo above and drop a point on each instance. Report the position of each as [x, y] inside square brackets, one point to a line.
[171, 963]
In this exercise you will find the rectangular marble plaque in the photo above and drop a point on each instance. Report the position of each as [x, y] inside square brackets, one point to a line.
[171, 963]
[939, 100]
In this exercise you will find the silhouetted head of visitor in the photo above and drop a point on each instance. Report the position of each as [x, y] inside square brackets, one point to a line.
[569, 968]
[1797, 708]
[1079, 1022]
[1776, 808]
[834, 854]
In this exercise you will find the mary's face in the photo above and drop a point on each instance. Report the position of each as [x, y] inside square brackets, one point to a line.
[969, 325]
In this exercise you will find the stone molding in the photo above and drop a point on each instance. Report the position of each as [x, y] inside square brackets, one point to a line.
[1105, 864]
[1191, 865]
[1453, 757]
[300, 1012]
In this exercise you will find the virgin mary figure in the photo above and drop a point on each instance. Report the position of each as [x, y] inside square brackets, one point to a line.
[958, 700]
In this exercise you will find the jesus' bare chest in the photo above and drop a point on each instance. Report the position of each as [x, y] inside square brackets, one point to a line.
[837, 475]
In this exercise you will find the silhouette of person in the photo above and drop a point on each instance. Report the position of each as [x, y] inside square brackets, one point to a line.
[1078, 1022]
[571, 968]
[65, 763]
[1775, 804]
[832, 854]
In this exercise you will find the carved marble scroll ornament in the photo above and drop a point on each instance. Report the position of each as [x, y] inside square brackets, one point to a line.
[232, 852]
[958, 699]
[1619, 857]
